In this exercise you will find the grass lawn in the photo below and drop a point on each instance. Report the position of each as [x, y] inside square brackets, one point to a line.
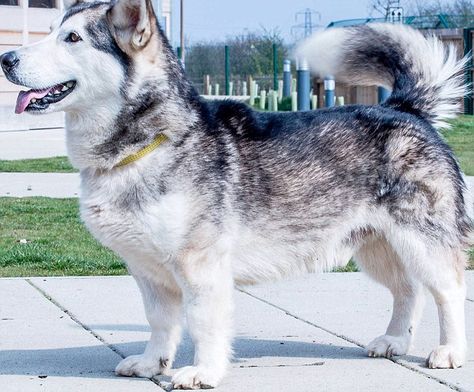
[461, 140]
[44, 237]
[43, 165]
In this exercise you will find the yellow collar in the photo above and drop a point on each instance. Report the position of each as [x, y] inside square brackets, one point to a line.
[160, 139]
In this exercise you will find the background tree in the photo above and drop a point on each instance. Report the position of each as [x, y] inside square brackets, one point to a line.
[251, 54]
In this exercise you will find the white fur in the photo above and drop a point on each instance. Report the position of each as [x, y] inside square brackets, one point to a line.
[435, 65]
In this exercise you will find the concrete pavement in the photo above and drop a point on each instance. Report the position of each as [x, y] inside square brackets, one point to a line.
[56, 185]
[68, 334]
[40, 143]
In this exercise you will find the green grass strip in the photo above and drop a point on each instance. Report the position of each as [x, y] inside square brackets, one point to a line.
[42, 165]
[45, 237]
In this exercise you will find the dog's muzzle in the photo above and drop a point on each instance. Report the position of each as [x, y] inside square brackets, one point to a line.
[9, 61]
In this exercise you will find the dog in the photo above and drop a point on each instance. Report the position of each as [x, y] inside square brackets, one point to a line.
[199, 196]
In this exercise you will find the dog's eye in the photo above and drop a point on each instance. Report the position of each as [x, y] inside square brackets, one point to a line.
[73, 37]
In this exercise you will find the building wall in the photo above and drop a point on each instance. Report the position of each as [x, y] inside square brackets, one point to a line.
[20, 25]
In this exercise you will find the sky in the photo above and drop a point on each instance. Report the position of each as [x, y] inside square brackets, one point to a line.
[216, 19]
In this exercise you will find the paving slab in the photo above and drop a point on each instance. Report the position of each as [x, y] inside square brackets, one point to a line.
[42, 349]
[353, 306]
[14, 122]
[273, 351]
[42, 143]
[55, 185]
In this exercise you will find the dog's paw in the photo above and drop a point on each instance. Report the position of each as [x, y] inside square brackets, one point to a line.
[388, 346]
[141, 366]
[446, 357]
[195, 377]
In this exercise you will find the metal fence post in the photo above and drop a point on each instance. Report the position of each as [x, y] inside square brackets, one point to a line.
[275, 67]
[227, 70]
[383, 94]
[329, 90]
[287, 78]
[303, 85]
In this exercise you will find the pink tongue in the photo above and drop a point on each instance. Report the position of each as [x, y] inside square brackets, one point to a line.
[25, 97]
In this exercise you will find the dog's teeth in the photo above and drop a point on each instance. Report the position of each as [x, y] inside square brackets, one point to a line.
[69, 84]
[33, 100]
[57, 92]
[50, 93]
[65, 88]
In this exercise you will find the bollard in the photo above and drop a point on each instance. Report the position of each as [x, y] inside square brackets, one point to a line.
[270, 101]
[218, 89]
[314, 102]
[287, 78]
[329, 90]
[340, 101]
[231, 89]
[207, 82]
[244, 89]
[383, 94]
[263, 99]
[303, 85]
[280, 91]
[210, 89]
[253, 92]
[294, 101]
[275, 102]
[293, 85]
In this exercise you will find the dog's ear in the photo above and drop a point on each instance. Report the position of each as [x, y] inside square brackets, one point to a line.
[132, 23]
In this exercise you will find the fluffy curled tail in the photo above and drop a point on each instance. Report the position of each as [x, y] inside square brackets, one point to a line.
[425, 76]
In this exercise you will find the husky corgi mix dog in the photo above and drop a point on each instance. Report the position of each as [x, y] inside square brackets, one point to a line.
[198, 196]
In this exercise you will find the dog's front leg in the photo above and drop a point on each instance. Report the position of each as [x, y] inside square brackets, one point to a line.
[163, 307]
[207, 286]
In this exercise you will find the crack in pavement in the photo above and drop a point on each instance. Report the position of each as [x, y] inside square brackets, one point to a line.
[84, 326]
[353, 341]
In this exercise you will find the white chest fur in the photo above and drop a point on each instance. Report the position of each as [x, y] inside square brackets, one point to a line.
[148, 229]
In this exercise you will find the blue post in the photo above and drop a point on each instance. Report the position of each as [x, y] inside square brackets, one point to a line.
[287, 78]
[383, 94]
[329, 91]
[303, 85]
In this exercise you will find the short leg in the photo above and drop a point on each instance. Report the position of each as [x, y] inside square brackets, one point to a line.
[164, 313]
[379, 260]
[450, 296]
[207, 288]
[408, 301]
[441, 269]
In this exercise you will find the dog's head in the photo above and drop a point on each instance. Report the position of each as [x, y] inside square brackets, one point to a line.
[92, 50]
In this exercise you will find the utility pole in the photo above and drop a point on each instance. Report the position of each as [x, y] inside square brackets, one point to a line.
[182, 31]
[308, 26]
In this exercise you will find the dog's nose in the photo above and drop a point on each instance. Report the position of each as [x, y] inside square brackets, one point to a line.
[9, 60]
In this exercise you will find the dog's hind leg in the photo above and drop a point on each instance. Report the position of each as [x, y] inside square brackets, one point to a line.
[163, 308]
[441, 269]
[445, 280]
[378, 259]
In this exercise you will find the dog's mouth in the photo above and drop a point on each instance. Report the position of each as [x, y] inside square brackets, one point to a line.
[37, 100]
